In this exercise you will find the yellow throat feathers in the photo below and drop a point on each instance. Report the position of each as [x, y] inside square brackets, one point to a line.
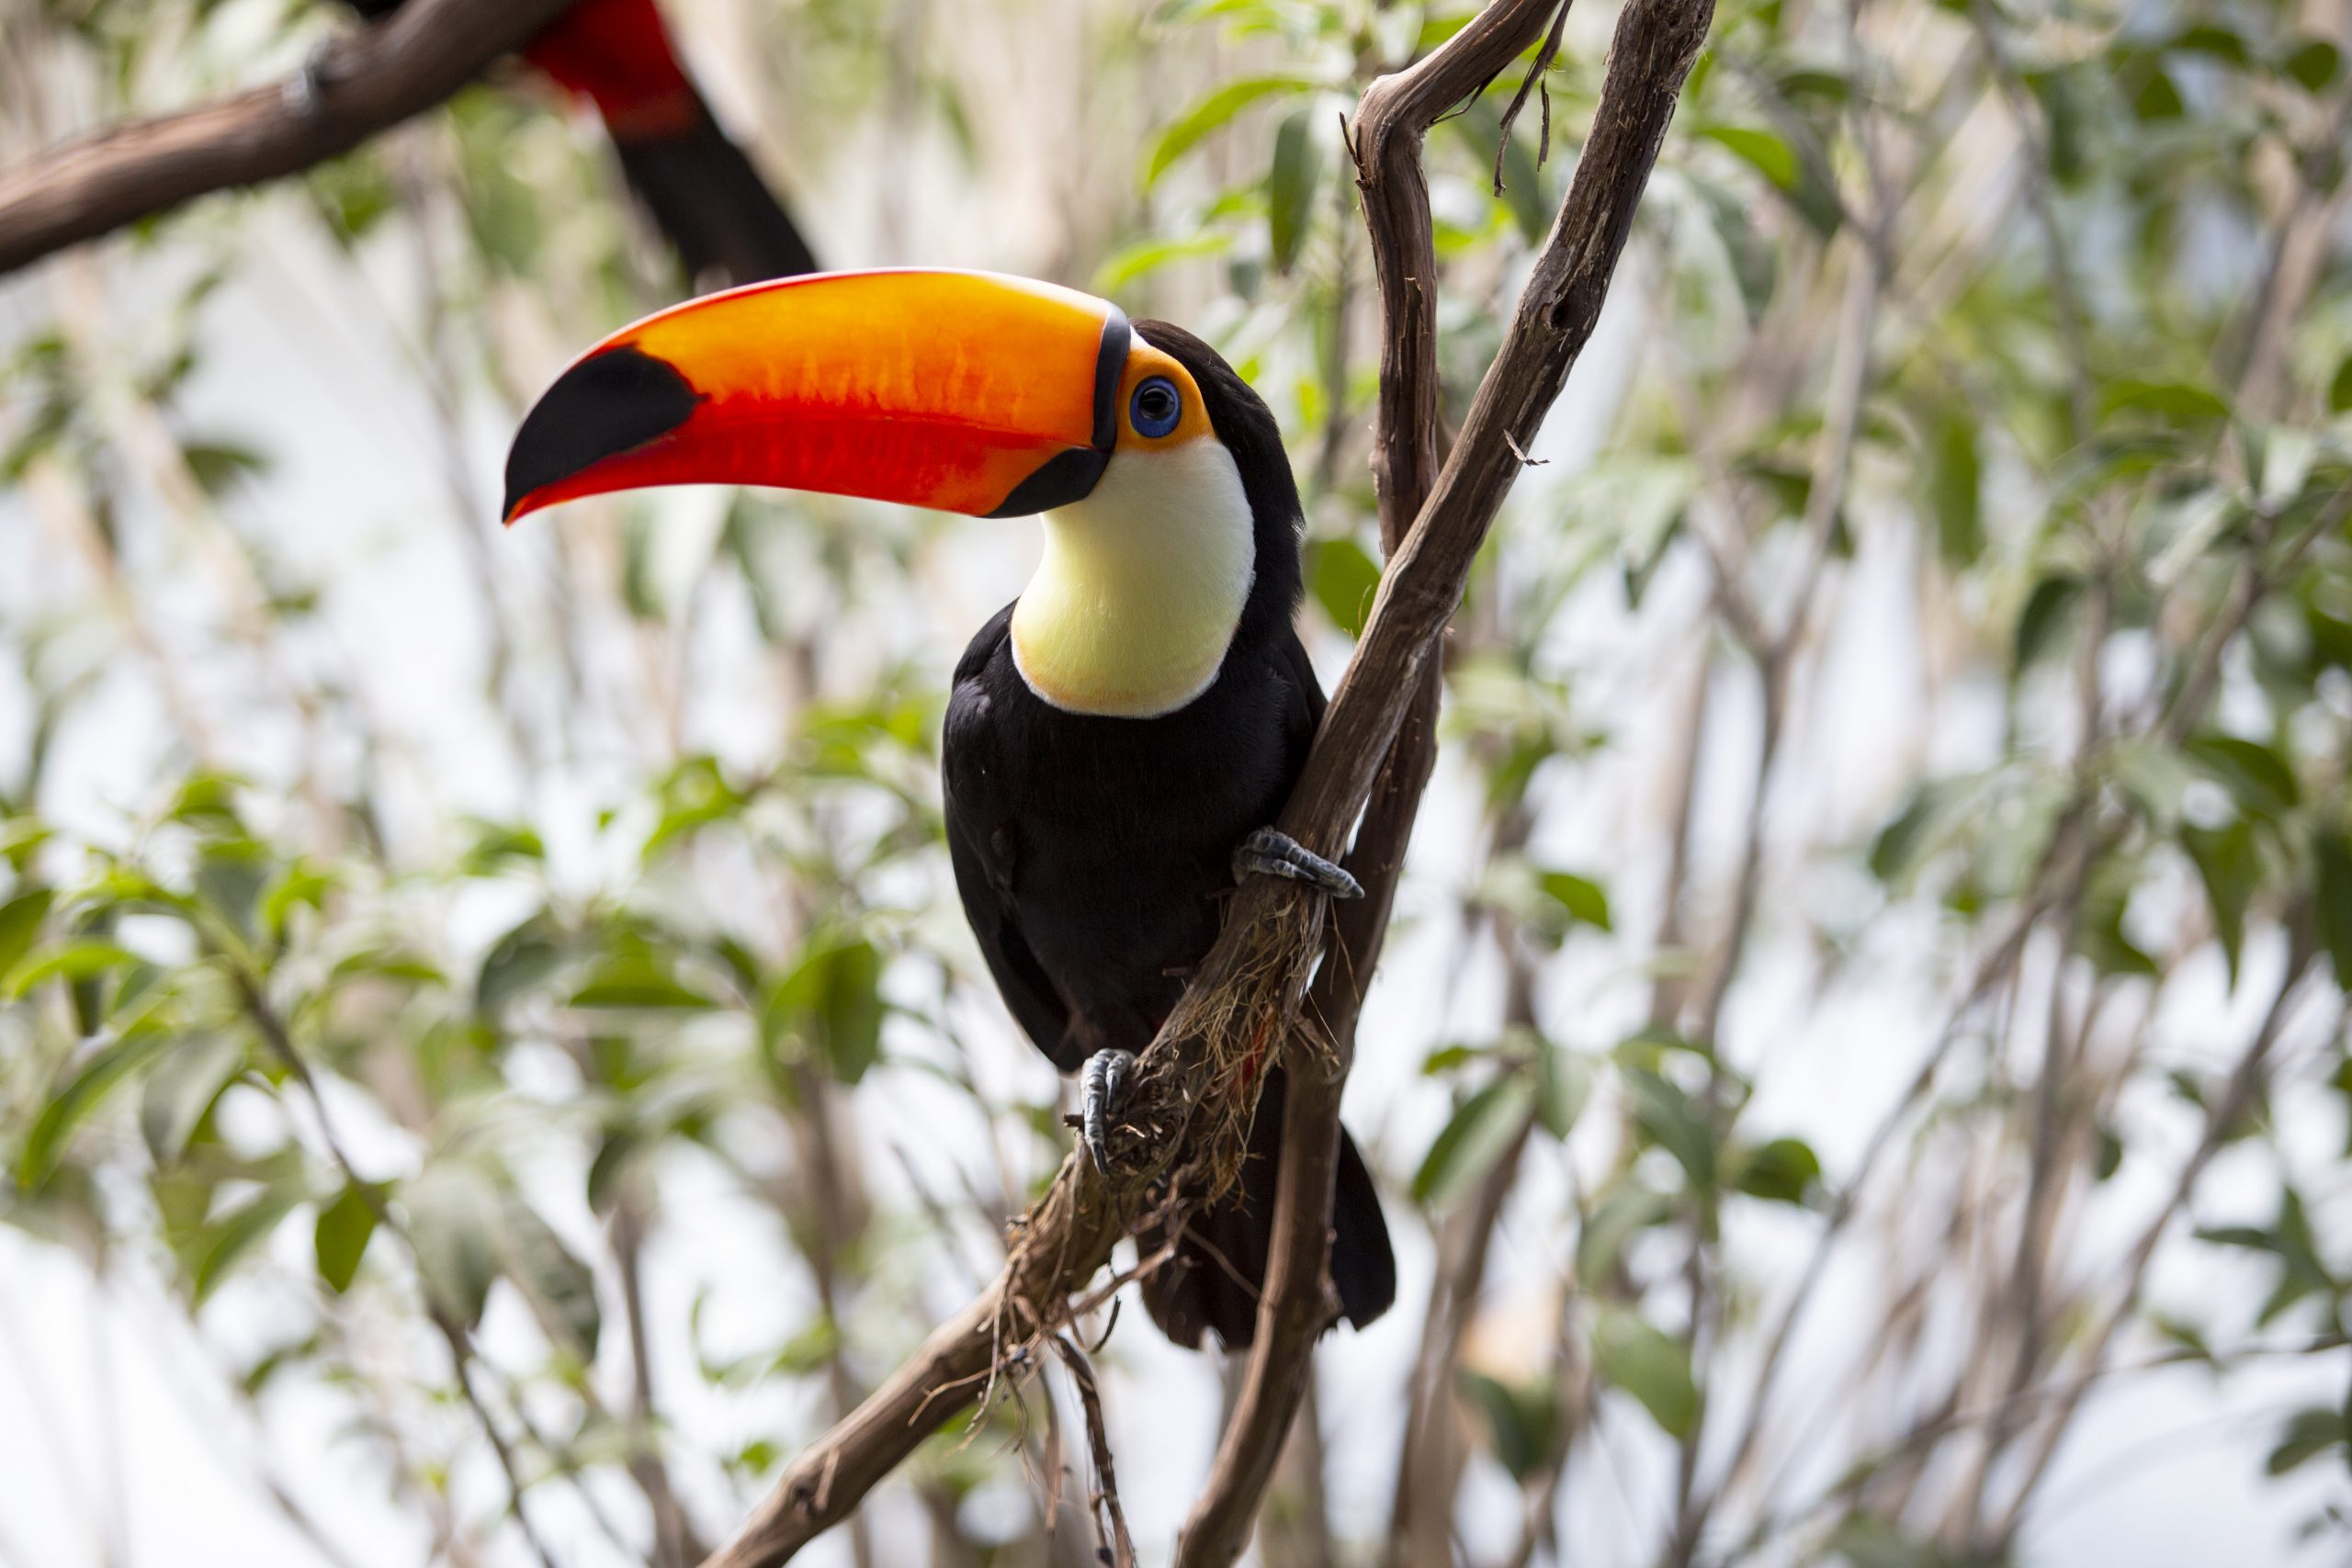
[1141, 586]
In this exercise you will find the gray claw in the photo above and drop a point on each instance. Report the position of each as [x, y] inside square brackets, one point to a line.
[1105, 1074]
[1269, 852]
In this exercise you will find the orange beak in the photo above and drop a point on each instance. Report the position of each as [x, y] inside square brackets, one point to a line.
[962, 391]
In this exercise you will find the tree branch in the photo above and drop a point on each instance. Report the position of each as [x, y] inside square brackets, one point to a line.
[360, 84]
[1192, 1093]
[1657, 42]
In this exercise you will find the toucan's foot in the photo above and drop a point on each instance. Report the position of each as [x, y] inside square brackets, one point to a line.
[1105, 1076]
[1269, 852]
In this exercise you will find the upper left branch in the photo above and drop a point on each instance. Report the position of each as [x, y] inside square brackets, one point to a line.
[360, 84]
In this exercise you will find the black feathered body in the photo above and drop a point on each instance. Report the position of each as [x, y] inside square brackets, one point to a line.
[1100, 848]
[1093, 853]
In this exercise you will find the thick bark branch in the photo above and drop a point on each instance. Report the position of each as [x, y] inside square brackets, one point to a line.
[1186, 1099]
[361, 83]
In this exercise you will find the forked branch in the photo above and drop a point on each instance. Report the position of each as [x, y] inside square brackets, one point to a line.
[1190, 1095]
[1657, 42]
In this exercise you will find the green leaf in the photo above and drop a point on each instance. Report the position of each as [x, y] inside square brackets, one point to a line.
[340, 1239]
[1676, 1123]
[833, 1002]
[2312, 63]
[2044, 613]
[101, 1074]
[1623, 1211]
[1130, 262]
[1212, 112]
[2158, 99]
[182, 1087]
[2210, 38]
[2099, 928]
[216, 465]
[453, 1227]
[517, 963]
[1782, 1171]
[1564, 1083]
[1343, 578]
[1952, 488]
[2229, 865]
[2174, 403]
[1582, 898]
[1896, 853]
[2332, 900]
[2255, 775]
[1290, 187]
[632, 975]
[497, 847]
[72, 961]
[2339, 387]
[1522, 1424]
[20, 919]
[1755, 263]
[1765, 153]
[236, 1231]
[559, 1288]
[2308, 1434]
[2063, 111]
[1481, 1127]
[1446, 1058]
[1652, 1366]
[1863, 1542]
[295, 886]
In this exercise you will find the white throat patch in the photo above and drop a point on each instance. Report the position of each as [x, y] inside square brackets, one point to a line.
[1142, 584]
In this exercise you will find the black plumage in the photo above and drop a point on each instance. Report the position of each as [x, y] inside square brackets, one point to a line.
[1091, 853]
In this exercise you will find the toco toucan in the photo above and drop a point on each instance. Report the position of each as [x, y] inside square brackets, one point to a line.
[699, 186]
[1119, 737]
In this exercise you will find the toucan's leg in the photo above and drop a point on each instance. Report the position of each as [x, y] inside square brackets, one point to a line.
[1269, 852]
[1105, 1076]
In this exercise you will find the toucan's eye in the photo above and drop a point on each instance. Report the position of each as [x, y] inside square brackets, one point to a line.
[1156, 406]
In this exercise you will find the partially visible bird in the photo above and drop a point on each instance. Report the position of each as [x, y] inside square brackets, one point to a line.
[696, 184]
[1119, 737]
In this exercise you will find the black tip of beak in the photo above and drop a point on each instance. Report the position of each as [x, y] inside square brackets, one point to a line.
[602, 407]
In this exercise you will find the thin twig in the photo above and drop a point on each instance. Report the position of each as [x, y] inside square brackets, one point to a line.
[1112, 1519]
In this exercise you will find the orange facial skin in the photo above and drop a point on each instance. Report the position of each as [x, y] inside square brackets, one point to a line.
[1144, 362]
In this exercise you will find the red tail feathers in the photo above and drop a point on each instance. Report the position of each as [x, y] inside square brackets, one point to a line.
[616, 55]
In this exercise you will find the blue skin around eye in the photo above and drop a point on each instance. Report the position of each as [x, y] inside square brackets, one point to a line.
[1169, 406]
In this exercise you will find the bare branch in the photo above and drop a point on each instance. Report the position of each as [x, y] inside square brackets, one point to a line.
[358, 85]
[1190, 1094]
[1656, 42]
[1119, 1548]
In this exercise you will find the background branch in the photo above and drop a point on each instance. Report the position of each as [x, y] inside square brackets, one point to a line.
[360, 83]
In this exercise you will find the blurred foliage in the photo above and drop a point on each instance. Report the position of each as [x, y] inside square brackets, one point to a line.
[2026, 329]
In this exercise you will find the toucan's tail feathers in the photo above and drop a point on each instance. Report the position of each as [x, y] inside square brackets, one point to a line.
[701, 188]
[1219, 1267]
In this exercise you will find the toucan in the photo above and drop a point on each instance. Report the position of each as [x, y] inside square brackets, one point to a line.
[697, 183]
[1118, 737]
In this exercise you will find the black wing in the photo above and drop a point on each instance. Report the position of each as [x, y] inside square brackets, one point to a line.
[981, 844]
